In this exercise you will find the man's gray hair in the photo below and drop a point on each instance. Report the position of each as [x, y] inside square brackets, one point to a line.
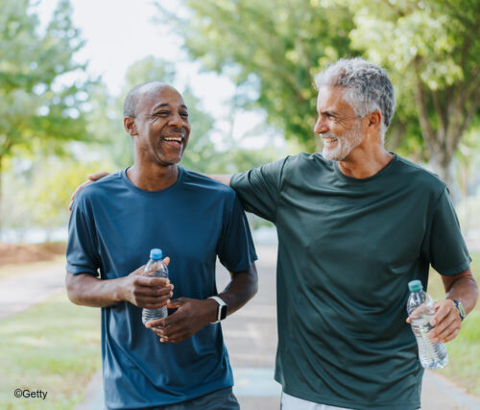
[367, 87]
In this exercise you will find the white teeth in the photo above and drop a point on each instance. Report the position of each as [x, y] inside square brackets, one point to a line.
[173, 139]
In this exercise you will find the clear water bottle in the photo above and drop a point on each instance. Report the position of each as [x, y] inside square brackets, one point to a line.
[155, 268]
[420, 309]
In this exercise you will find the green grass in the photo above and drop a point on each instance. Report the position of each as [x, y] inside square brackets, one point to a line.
[54, 347]
[464, 351]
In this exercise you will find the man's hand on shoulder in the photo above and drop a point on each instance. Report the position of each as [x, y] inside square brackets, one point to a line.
[91, 178]
[190, 317]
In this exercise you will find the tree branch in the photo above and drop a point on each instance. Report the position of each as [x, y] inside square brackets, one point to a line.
[420, 99]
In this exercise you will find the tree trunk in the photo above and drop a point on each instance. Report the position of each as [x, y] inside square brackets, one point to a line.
[1, 199]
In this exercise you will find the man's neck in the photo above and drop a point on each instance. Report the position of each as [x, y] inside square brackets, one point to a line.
[362, 164]
[152, 177]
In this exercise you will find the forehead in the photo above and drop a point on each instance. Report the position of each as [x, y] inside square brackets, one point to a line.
[159, 96]
[331, 99]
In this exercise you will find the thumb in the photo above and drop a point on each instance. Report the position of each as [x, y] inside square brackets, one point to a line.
[166, 261]
[176, 303]
[138, 271]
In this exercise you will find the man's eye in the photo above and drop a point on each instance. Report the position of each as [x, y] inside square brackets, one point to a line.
[162, 113]
[184, 114]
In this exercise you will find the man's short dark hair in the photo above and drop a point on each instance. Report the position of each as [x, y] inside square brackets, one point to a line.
[132, 99]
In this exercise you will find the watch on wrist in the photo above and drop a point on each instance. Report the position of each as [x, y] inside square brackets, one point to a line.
[221, 309]
[461, 310]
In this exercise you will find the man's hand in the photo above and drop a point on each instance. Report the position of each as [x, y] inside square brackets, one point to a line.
[446, 322]
[191, 316]
[145, 291]
[91, 178]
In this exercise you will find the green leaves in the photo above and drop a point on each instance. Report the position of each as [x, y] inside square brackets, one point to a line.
[36, 99]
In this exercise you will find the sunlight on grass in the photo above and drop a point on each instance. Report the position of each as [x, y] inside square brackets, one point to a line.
[53, 347]
[464, 351]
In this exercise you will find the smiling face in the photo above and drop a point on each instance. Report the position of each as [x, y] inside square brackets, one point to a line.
[337, 124]
[160, 128]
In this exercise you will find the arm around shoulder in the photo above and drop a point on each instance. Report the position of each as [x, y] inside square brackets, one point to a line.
[223, 178]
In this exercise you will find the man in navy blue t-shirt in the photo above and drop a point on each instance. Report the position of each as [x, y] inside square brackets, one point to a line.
[180, 361]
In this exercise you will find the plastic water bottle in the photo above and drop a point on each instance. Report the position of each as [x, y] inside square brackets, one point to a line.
[420, 309]
[155, 268]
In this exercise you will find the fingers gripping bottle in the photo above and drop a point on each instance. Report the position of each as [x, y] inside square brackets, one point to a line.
[155, 268]
[420, 309]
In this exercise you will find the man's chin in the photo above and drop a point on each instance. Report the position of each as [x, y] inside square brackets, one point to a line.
[331, 155]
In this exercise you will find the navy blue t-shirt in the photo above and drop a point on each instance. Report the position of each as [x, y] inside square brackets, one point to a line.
[113, 226]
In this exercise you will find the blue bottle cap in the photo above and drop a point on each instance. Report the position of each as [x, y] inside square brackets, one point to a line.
[415, 285]
[156, 254]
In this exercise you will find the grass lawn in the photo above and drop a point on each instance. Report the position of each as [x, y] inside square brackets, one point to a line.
[464, 351]
[54, 347]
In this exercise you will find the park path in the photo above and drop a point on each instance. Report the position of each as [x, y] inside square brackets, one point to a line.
[20, 291]
[250, 335]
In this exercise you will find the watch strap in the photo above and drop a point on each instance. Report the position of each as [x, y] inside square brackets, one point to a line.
[461, 310]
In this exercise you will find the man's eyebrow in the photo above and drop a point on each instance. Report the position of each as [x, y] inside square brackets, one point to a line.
[160, 105]
[166, 105]
[329, 112]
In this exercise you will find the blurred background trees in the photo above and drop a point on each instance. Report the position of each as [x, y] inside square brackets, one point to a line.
[431, 49]
[40, 109]
[57, 123]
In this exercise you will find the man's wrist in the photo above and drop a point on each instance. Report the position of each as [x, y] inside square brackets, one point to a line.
[460, 309]
[212, 310]
[221, 308]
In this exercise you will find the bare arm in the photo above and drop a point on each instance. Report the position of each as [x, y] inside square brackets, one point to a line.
[223, 178]
[447, 322]
[142, 291]
[193, 314]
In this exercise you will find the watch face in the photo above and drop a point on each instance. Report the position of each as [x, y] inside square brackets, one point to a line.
[223, 312]
[460, 308]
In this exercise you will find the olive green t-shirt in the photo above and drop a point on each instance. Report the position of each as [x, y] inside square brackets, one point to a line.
[347, 250]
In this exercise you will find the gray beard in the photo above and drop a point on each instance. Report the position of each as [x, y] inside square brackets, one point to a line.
[345, 144]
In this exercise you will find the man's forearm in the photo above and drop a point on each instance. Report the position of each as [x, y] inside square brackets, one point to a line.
[241, 289]
[87, 290]
[462, 287]
[223, 178]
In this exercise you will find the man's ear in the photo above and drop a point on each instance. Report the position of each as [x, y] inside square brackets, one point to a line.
[375, 120]
[130, 126]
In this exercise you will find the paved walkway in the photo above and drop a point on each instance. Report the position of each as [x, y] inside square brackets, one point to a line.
[250, 336]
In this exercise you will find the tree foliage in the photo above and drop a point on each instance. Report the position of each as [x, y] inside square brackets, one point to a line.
[275, 47]
[430, 48]
[37, 102]
[433, 48]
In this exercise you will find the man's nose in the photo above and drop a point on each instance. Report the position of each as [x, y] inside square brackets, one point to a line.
[176, 120]
[320, 126]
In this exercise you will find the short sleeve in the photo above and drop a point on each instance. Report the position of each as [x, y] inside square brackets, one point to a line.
[235, 247]
[259, 188]
[82, 255]
[444, 246]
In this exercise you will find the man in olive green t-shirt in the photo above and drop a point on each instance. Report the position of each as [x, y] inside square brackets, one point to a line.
[355, 225]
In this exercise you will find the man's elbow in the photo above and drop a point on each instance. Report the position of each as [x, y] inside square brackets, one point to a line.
[253, 281]
[72, 288]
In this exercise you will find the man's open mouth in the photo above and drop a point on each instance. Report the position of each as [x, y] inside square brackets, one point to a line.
[176, 141]
[330, 140]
